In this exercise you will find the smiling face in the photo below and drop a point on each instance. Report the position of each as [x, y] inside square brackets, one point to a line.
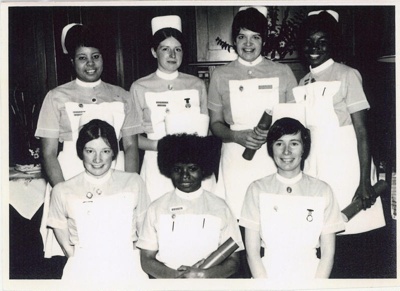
[248, 45]
[97, 157]
[169, 55]
[186, 177]
[287, 153]
[317, 48]
[88, 64]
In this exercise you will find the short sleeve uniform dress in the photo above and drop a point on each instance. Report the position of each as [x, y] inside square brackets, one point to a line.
[291, 215]
[63, 111]
[334, 93]
[243, 91]
[104, 217]
[187, 227]
[156, 96]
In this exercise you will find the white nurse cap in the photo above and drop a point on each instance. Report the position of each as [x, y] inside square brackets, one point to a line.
[334, 14]
[168, 21]
[64, 35]
[262, 9]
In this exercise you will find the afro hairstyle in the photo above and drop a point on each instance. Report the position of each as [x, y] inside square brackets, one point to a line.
[188, 149]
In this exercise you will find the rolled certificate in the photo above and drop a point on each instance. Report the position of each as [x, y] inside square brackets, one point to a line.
[219, 255]
[264, 124]
[356, 206]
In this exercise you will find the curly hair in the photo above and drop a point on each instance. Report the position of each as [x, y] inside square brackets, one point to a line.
[188, 149]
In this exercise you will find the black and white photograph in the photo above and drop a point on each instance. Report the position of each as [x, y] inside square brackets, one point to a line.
[198, 145]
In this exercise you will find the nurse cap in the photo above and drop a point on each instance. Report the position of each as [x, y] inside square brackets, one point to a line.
[168, 21]
[334, 14]
[262, 9]
[64, 35]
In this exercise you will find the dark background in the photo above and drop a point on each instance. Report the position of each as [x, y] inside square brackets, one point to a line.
[37, 64]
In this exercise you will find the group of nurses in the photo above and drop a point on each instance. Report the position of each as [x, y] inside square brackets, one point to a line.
[168, 102]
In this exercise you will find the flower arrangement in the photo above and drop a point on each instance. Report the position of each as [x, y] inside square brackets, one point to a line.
[281, 37]
[23, 118]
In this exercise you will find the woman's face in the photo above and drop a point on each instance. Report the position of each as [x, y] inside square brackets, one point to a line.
[88, 64]
[97, 157]
[248, 44]
[169, 55]
[287, 152]
[187, 177]
[317, 48]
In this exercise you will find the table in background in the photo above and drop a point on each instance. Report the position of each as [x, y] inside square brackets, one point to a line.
[26, 197]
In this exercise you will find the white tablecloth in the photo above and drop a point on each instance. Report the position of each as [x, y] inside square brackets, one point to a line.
[26, 195]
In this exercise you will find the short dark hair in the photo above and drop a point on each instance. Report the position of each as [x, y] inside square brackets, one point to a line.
[188, 149]
[323, 22]
[165, 33]
[285, 126]
[93, 130]
[83, 36]
[250, 19]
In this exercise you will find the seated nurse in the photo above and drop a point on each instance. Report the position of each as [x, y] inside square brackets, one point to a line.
[187, 224]
[97, 215]
[290, 213]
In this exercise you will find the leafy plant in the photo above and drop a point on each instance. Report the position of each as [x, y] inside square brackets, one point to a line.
[24, 114]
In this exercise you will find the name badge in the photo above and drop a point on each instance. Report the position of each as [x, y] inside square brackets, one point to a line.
[264, 87]
[176, 208]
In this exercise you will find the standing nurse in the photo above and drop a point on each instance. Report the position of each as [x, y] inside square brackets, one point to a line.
[336, 109]
[168, 95]
[239, 93]
[73, 104]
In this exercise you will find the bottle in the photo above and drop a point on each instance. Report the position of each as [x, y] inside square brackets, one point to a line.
[264, 124]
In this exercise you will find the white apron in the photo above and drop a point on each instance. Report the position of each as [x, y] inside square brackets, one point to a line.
[249, 99]
[71, 165]
[185, 239]
[334, 156]
[291, 227]
[162, 104]
[105, 256]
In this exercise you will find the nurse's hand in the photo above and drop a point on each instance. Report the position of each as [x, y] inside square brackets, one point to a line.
[249, 139]
[261, 132]
[193, 271]
[367, 194]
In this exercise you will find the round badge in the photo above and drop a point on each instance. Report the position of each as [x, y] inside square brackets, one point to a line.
[89, 195]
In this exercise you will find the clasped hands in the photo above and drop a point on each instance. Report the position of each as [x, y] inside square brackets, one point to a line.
[367, 194]
[252, 139]
[191, 272]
